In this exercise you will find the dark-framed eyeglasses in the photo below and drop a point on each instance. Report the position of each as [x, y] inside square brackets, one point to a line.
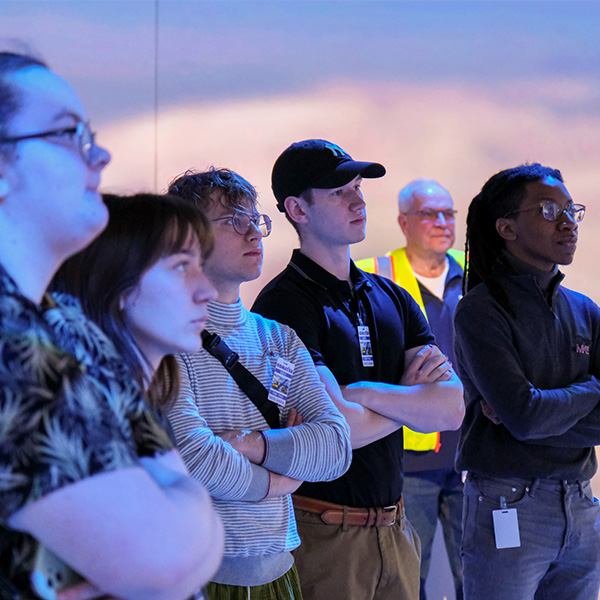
[242, 222]
[553, 211]
[431, 214]
[80, 133]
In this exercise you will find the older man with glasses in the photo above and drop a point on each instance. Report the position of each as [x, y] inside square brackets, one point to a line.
[431, 271]
[253, 420]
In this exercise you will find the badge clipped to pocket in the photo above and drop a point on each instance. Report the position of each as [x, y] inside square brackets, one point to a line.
[506, 526]
[282, 377]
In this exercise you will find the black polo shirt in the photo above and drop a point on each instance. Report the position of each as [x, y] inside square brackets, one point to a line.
[325, 312]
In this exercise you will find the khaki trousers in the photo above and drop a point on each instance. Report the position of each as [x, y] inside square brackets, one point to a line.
[342, 562]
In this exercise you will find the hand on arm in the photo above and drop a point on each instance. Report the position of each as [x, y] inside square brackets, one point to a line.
[432, 402]
[532, 414]
[84, 591]
[585, 433]
[426, 364]
[294, 418]
[251, 443]
[166, 470]
[281, 485]
[488, 411]
[171, 537]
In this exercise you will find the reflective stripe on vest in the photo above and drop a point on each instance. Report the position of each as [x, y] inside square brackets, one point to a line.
[395, 266]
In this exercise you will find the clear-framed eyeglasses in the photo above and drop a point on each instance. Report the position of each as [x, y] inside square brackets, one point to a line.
[242, 222]
[431, 214]
[80, 133]
[553, 211]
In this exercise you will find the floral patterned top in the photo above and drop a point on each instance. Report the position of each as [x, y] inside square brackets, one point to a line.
[69, 408]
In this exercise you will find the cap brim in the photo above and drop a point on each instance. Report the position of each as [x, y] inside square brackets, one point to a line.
[346, 172]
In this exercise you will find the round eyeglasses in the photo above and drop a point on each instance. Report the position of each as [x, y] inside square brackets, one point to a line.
[80, 133]
[553, 211]
[242, 222]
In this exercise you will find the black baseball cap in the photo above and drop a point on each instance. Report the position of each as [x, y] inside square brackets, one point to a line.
[316, 164]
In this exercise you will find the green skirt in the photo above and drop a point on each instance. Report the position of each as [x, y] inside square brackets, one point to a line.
[287, 587]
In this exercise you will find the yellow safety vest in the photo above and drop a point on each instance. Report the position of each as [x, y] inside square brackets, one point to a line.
[395, 266]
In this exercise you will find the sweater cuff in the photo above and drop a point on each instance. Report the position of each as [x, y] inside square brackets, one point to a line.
[279, 450]
[259, 484]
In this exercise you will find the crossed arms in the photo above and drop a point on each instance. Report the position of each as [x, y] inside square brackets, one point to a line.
[428, 398]
[154, 514]
[245, 463]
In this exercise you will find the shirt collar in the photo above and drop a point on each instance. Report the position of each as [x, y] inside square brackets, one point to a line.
[314, 272]
[310, 270]
[454, 268]
[226, 315]
[548, 282]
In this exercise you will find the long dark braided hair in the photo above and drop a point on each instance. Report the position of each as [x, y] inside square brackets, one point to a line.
[502, 194]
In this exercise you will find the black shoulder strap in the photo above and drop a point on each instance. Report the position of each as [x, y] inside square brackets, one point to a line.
[249, 384]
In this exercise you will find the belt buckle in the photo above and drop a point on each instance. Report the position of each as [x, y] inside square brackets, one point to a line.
[388, 509]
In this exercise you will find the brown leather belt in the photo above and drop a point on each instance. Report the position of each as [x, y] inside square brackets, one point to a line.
[335, 514]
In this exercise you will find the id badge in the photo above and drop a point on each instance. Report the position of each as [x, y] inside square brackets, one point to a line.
[282, 377]
[366, 351]
[506, 528]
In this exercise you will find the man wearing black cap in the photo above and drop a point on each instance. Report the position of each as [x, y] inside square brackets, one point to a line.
[368, 336]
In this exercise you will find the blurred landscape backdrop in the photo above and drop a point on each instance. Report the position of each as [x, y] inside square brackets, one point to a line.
[455, 91]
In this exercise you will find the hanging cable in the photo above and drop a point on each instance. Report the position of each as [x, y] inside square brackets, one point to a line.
[156, 96]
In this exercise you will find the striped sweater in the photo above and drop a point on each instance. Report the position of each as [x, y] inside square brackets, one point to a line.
[259, 534]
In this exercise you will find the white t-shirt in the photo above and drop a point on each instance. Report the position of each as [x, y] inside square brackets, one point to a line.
[437, 284]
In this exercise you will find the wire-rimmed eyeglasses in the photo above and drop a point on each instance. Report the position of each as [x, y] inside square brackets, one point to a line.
[242, 222]
[552, 211]
[431, 214]
[81, 133]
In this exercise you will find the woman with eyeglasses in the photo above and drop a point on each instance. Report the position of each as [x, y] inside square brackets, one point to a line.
[528, 354]
[88, 471]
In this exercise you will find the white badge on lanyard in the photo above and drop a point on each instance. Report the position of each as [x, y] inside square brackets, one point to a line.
[364, 339]
[282, 377]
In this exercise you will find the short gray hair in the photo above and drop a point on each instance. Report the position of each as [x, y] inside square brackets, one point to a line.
[406, 196]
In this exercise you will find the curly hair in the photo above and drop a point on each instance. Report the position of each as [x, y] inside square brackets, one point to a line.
[198, 187]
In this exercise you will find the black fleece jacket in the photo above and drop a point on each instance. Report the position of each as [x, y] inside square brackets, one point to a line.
[538, 369]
